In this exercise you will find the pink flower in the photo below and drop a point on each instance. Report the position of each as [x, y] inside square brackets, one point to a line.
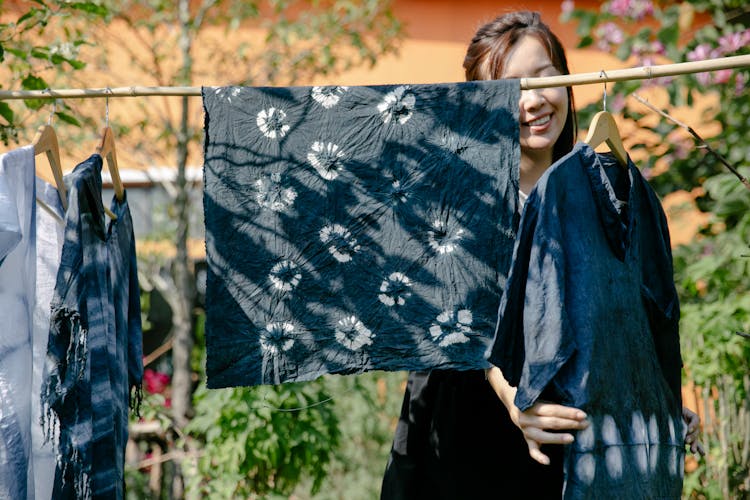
[722, 76]
[700, 53]
[567, 6]
[646, 61]
[154, 381]
[739, 83]
[703, 78]
[636, 9]
[681, 150]
[619, 7]
[641, 9]
[609, 34]
[657, 47]
[731, 43]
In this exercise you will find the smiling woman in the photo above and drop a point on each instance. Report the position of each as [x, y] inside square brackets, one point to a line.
[542, 112]
[451, 419]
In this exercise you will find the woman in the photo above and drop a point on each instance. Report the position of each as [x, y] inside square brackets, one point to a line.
[451, 421]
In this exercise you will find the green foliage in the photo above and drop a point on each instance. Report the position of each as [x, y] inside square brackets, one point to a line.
[262, 440]
[46, 37]
[712, 272]
[367, 406]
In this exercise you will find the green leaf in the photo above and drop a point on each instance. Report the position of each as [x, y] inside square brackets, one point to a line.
[27, 16]
[68, 118]
[90, 8]
[624, 50]
[40, 52]
[2, 53]
[31, 82]
[585, 41]
[76, 64]
[6, 112]
[669, 35]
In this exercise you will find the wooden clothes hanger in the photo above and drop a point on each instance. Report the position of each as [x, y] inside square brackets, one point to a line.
[108, 152]
[603, 128]
[46, 142]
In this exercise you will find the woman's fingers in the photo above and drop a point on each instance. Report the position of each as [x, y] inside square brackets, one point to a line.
[552, 423]
[691, 437]
[543, 437]
[554, 417]
[697, 447]
[536, 453]
[554, 410]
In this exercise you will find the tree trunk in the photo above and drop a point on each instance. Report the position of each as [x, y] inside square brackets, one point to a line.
[182, 387]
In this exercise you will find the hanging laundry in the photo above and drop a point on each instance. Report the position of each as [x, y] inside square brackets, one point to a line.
[94, 359]
[356, 228]
[49, 243]
[17, 273]
[590, 319]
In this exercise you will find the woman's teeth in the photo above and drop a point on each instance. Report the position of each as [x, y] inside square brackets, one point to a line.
[540, 121]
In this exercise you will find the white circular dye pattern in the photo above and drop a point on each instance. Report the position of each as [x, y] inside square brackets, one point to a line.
[397, 105]
[610, 433]
[443, 237]
[277, 337]
[395, 289]
[672, 434]
[613, 459]
[352, 333]
[328, 97]
[271, 194]
[339, 242]
[585, 468]
[326, 159]
[638, 428]
[285, 275]
[584, 439]
[398, 193]
[227, 94]
[452, 328]
[271, 123]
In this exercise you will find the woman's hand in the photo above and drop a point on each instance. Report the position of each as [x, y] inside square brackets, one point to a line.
[693, 425]
[536, 422]
[542, 417]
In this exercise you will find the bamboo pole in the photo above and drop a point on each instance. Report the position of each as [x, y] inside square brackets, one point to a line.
[641, 73]
[615, 75]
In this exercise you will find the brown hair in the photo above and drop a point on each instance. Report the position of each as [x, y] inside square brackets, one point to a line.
[486, 54]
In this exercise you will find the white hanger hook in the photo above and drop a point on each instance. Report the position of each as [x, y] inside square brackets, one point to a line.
[53, 111]
[602, 74]
[106, 107]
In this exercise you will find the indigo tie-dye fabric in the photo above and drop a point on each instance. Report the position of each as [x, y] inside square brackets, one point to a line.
[590, 318]
[17, 282]
[94, 357]
[356, 228]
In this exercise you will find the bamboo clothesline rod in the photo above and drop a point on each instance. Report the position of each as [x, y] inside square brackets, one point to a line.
[615, 75]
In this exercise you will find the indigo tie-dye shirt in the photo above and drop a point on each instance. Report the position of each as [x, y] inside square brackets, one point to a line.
[356, 228]
[94, 357]
[590, 319]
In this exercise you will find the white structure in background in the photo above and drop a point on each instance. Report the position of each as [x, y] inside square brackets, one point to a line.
[151, 192]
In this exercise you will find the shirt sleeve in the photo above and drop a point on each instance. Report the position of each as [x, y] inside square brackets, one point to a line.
[533, 338]
[660, 295]
[507, 349]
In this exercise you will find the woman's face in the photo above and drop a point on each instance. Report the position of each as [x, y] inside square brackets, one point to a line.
[542, 111]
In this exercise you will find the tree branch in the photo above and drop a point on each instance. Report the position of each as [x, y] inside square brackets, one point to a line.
[701, 141]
